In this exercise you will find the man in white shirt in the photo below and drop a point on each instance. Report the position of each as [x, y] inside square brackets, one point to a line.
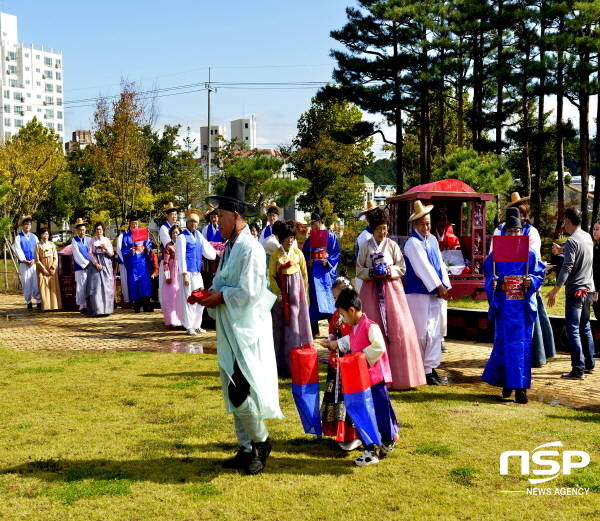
[426, 282]
[25, 243]
[272, 218]
[191, 246]
[80, 247]
[171, 212]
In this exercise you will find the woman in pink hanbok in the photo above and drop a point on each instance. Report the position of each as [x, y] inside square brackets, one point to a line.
[380, 265]
[170, 289]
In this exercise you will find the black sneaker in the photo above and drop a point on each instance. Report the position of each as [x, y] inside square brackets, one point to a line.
[589, 371]
[506, 392]
[39, 305]
[30, 306]
[572, 376]
[239, 461]
[83, 311]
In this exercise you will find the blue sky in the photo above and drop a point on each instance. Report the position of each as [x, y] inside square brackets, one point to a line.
[173, 44]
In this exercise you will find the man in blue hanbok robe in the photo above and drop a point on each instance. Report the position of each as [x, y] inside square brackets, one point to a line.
[322, 273]
[511, 290]
[136, 256]
[240, 303]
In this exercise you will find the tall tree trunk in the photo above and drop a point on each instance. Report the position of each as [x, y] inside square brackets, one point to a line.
[536, 198]
[460, 115]
[526, 126]
[584, 135]
[596, 207]
[442, 102]
[500, 86]
[398, 116]
[560, 133]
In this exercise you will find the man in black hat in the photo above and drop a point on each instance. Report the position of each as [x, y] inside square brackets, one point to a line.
[322, 271]
[136, 256]
[511, 290]
[240, 303]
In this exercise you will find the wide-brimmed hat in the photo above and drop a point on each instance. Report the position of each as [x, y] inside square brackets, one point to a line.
[232, 199]
[133, 216]
[513, 218]
[170, 208]
[273, 208]
[371, 205]
[516, 199]
[79, 222]
[25, 219]
[420, 210]
[193, 211]
[211, 210]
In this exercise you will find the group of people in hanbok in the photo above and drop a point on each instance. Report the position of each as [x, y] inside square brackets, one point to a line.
[268, 296]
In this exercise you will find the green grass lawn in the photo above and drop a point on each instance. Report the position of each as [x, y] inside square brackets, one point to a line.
[139, 436]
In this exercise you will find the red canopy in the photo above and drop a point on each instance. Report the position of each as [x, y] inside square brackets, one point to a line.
[445, 185]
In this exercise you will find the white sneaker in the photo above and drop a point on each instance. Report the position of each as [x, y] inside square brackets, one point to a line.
[350, 445]
[368, 457]
[200, 330]
[387, 448]
[191, 332]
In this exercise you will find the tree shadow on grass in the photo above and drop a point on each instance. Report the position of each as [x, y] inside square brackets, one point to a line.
[167, 470]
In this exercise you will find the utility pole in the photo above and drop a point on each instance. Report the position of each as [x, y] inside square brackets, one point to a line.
[210, 89]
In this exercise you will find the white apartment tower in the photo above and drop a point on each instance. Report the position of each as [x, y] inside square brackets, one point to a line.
[245, 131]
[32, 82]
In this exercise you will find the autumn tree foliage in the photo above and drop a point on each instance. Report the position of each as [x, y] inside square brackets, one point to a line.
[30, 163]
[120, 153]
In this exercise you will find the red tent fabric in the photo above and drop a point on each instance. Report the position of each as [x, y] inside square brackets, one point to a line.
[445, 185]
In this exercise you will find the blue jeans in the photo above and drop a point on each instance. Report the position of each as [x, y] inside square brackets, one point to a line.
[579, 333]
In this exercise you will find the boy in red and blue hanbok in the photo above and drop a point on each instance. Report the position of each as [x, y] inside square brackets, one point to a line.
[366, 337]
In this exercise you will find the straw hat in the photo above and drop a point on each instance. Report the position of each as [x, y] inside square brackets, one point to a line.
[211, 210]
[193, 211]
[516, 199]
[273, 208]
[79, 222]
[25, 218]
[170, 208]
[371, 205]
[420, 210]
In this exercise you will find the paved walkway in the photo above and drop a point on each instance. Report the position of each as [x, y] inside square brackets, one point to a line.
[125, 330]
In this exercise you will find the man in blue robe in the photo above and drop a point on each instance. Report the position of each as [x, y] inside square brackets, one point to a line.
[511, 288]
[322, 273]
[136, 256]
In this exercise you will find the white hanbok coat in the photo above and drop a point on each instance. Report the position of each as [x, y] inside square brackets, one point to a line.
[244, 326]
[28, 273]
[427, 310]
[191, 314]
